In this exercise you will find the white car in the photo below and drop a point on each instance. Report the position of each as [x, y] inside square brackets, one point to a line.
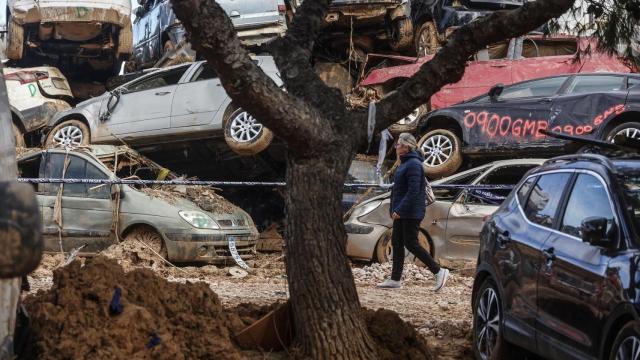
[35, 96]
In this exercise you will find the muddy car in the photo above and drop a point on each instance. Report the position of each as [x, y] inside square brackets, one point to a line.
[184, 225]
[507, 121]
[157, 31]
[77, 36]
[178, 104]
[451, 226]
[507, 62]
[35, 96]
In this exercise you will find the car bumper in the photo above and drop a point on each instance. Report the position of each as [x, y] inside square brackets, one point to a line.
[208, 247]
[260, 35]
[26, 12]
[362, 239]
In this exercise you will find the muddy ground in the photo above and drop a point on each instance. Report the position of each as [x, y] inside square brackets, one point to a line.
[444, 318]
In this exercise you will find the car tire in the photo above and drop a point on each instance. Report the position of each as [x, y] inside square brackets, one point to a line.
[244, 134]
[384, 249]
[426, 39]
[68, 133]
[630, 129]
[17, 134]
[442, 151]
[15, 43]
[150, 238]
[629, 336]
[409, 123]
[488, 317]
[401, 34]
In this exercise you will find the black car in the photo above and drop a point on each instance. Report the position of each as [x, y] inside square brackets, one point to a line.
[557, 270]
[506, 122]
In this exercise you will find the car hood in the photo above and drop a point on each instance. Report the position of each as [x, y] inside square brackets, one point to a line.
[94, 100]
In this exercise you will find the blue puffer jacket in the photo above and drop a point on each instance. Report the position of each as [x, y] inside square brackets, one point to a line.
[408, 196]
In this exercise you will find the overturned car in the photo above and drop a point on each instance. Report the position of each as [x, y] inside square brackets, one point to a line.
[181, 224]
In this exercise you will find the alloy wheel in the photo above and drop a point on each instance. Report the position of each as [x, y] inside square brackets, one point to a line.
[70, 135]
[631, 133]
[437, 149]
[629, 349]
[409, 119]
[423, 42]
[488, 323]
[245, 128]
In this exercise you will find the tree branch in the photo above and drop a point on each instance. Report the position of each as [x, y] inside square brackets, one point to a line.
[448, 64]
[212, 34]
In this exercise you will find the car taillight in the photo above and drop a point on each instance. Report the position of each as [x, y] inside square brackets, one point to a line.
[282, 8]
[25, 77]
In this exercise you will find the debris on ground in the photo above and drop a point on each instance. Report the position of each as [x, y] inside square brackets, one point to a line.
[270, 240]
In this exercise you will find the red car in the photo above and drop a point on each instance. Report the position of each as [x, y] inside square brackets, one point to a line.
[507, 62]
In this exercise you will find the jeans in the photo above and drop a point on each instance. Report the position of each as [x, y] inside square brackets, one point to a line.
[405, 234]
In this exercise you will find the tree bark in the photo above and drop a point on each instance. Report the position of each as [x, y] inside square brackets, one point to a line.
[322, 137]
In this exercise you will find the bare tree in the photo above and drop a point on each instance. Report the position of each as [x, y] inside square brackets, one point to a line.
[322, 137]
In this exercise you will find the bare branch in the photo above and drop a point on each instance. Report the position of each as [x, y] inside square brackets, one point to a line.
[307, 24]
[212, 35]
[449, 63]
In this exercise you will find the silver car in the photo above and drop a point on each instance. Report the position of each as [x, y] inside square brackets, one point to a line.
[176, 104]
[451, 226]
[182, 225]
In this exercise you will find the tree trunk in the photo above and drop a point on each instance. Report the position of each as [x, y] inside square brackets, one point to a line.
[326, 308]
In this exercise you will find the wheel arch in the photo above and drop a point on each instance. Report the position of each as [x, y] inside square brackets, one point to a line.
[628, 116]
[138, 225]
[443, 121]
[479, 279]
[621, 317]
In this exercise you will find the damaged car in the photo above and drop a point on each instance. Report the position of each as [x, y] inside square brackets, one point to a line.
[181, 224]
[35, 96]
[76, 36]
[451, 226]
[178, 104]
[507, 62]
[507, 121]
[157, 31]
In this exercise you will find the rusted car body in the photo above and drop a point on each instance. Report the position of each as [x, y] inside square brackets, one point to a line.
[451, 224]
[91, 215]
[508, 62]
[35, 96]
[77, 34]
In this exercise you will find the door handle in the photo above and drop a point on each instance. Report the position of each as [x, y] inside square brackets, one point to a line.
[503, 238]
[549, 254]
[161, 93]
[545, 101]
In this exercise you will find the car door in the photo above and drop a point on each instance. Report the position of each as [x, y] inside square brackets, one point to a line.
[573, 286]
[85, 215]
[515, 117]
[144, 106]
[586, 103]
[467, 213]
[197, 101]
[520, 232]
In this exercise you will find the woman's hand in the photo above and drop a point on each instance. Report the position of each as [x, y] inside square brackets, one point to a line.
[395, 216]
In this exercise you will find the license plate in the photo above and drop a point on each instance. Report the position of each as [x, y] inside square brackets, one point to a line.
[234, 253]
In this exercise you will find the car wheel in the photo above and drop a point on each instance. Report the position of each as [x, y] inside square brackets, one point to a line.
[442, 153]
[630, 130]
[244, 134]
[17, 134]
[150, 238]
[68, 133]
[409, 123]
[384, 249]
[627, 343]
[488, 341]
[426, 39]
[401, 34]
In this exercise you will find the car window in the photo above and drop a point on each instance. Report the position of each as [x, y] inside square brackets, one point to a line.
[77, 168]
[544, 198]
[495, 51]
[536, 88]
[594, 83]
[532, 48]
[162, 79]
[504, 175]
[588, 199]
[205, 72]
[524, 189]
[462, 179]
[631, 82]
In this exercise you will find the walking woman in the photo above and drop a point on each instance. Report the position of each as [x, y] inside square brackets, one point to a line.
[408, 206]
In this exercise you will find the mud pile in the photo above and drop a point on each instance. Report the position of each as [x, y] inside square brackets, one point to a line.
[397, 339]
[84, 315]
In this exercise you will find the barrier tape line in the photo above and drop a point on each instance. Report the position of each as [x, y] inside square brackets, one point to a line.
[236, 183]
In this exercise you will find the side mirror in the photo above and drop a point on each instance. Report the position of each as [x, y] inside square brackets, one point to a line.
[594, 231]
[496, 91]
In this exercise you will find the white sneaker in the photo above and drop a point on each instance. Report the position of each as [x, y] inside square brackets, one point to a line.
[390, 284]
[441, 279]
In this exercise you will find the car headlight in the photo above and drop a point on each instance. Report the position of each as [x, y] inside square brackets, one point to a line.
[198, 220]
[367, 208]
